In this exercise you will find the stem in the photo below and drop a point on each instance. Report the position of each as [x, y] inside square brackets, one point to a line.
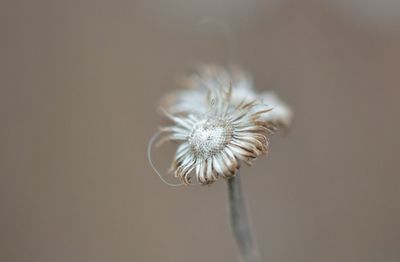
[240, 223]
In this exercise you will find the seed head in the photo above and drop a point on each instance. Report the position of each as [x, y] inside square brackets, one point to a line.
[219, 122]
[214, 143]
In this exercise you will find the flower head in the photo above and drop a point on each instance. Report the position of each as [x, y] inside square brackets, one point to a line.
[214, 142]
[219, 122]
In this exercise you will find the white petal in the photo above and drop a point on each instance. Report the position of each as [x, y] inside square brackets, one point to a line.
[217, 165]
[200, 172]
[232, 167]
[280, 113]
[210, 173]
[182, 150]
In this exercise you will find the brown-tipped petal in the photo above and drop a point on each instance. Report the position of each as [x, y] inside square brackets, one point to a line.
[241, 153]
[200, 173]
[232, 167]
[232, 157]
[251, 140]
[217, 165]
[223, 165]
[259, 137]
[186, 179]
[249, 147]
[211, 174]
[186, 166]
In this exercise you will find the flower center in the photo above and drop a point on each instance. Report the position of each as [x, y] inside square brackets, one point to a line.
[210, 136]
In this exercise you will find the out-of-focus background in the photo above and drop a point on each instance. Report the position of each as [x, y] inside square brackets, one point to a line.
[79, 87]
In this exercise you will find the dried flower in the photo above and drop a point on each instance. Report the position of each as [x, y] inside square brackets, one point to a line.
[219, 121]
[193, 99]
[214, 142]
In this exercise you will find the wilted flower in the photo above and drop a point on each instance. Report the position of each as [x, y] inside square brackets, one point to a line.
[219, 121]
[214, 142]
[193, 99]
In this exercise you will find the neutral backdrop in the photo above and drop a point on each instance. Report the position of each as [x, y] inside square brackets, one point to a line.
[80, 82]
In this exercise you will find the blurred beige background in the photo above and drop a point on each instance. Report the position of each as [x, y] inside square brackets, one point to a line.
[79, 86]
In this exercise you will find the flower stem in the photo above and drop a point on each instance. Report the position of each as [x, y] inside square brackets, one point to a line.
[240, 223]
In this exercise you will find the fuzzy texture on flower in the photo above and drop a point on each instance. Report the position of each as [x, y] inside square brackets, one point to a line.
[216, 138]
[193, 99]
